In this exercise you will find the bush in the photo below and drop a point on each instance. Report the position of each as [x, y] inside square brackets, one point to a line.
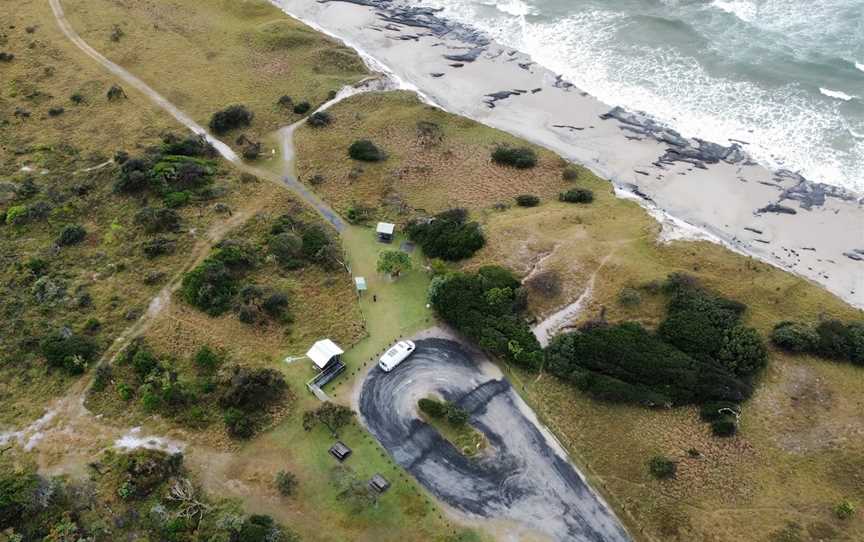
[518, 157]
[365, 151]
[252, 389]
[287, 247]
[527, 200]
[56, 111]
[577, 195]
[432, 408]
[206, 359]
[570, 173]
[844, 510]
[209, 287]
[276, 305]
[629, 297]
[795, 337]
[158, 246]
[18, 493]
[158, 220]
[456, 416]
[134, 175]
[715, 410]
[232, 117]
[302, 108]
[448, 235]
[17, 214]
[238, 423]
[486, 306]
[71, 234]
[285, 483]
[833, 340]
[725, 426]
[743, 351]
[68, 351]
[662, 468]
[285, 101]
[319, 119]
[174, 200]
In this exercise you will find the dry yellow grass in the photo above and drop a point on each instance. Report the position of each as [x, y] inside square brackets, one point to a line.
[204, 55]
[417, 177]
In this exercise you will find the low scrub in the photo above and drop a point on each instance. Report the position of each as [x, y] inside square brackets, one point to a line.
[576, 195]
[830, 339]
[527, 200]
[230, 118]
[448, 235]
[518, 157]
[366, 151]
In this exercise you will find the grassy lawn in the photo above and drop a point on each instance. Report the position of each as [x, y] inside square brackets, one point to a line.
[468, 440]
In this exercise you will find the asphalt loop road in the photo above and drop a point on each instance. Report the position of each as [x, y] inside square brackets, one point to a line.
[525, 478]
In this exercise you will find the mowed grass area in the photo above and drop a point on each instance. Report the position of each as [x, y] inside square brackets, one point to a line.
[443, 163]
[798, 453]
[58, 164]
[404, 513]
[204, 55]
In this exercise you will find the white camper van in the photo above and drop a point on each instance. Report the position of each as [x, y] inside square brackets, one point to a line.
[398, 353]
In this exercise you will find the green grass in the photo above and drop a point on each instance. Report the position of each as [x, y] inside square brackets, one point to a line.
[465, 438]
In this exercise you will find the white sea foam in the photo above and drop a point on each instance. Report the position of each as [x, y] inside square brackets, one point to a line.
[744, 10]
[787, 128]
[836, 94]
[859, 66]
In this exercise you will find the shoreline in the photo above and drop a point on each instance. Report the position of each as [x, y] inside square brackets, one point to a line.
[695, 189]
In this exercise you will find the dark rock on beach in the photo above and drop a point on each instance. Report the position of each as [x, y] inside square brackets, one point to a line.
[777, 208]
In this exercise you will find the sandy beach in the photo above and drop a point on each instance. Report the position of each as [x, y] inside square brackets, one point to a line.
[696, 189]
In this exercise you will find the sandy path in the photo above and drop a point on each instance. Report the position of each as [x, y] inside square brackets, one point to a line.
[527, 478]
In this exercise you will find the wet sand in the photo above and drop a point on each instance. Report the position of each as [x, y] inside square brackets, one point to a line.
[698, 190]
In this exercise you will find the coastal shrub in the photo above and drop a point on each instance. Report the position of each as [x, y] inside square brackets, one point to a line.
[276, 305]
[238, 424]
[432, 408]
[629, 297]
[56, 111]
[487, 306]
[527, 200]
[831, 339]
[448, 235]
[206, 359]
[252, 389]
[197, 146]
[795, 337]
[285, 483]
[577, 195]
[365, 151]
[518, 157]
[570, 173]
[174, 200]
[71, 234]
[236, 254]
[626, 363]
[456, 416]
[17, 214]
[158, 219]
[287, 247]
[66, 350]
[315, 243]
[18, 493]
[844, 510]
[285, 101]
[319, 119]
[302, 108]
[133, 175]
[724, 426]
[209, 287]
[662, 467]
[743, 352]
[234, 116]
[715, 410]
[158, 246]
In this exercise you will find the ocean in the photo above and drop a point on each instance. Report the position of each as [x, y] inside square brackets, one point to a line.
[786, 76]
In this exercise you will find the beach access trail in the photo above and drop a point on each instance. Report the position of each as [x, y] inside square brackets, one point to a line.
[538, 477]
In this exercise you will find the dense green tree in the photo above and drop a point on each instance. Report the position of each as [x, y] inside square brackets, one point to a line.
[448, 235]
[393, 262]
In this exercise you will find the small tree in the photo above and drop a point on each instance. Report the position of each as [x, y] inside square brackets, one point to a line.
[229, 118]
[71, 234]
[432, 408]
[319, 119]
[456, 416]
[286, 483]
[302, 108]
[331, 415]
[393, 262]
[577, 195]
